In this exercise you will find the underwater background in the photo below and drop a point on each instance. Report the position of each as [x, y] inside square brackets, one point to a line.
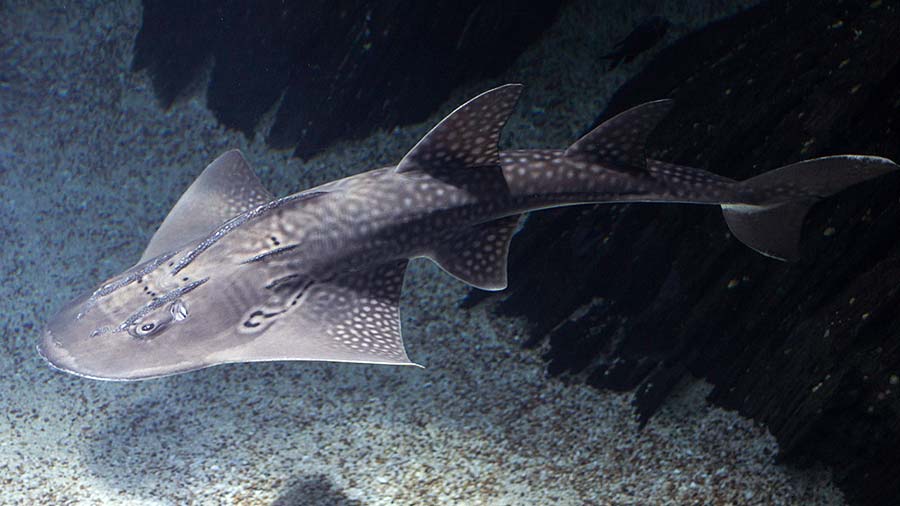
[640, 355]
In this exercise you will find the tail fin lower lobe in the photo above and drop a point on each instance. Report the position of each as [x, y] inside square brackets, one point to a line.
[780, 199]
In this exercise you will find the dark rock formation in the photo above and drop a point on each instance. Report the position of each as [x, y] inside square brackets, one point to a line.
[636, 297]
[643, 37]
[330, 62]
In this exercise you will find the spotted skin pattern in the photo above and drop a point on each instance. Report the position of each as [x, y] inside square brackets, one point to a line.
[620, 142]
[236, 275]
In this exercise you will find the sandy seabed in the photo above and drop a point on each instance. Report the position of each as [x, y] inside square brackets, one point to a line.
[89, 165]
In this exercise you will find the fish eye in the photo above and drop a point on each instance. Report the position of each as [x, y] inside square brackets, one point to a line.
[143, 330]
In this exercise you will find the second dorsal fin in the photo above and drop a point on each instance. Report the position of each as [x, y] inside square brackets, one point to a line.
[621, 140]
[224, 189]
[468, 137]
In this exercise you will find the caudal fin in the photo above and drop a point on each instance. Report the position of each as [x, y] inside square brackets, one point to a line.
[779, 199]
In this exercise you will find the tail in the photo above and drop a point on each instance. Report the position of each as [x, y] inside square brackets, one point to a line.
[782, 197]
[766, 212]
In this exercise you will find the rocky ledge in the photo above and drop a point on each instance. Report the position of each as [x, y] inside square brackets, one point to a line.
[329, 71]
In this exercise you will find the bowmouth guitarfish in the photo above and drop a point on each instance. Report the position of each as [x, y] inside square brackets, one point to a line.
[236, 275]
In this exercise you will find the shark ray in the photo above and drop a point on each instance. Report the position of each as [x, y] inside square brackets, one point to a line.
[234, 274]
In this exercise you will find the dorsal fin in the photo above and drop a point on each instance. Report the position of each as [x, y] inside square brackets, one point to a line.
[621, 141]
[468, 137]
[224, 189]
[477, 255]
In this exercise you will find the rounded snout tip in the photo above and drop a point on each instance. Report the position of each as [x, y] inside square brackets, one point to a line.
[54, 354]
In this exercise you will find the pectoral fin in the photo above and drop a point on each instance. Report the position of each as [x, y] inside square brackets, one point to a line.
[353, 317]
[224, 189]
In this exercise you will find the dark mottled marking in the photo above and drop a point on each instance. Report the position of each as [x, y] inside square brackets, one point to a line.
[271, 253]
[236, 222]
[129, 277]
[159, 302]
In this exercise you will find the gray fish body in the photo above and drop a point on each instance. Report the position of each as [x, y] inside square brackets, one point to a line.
[381, 216]
[235, 275]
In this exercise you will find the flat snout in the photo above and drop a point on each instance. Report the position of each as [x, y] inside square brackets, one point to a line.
[94, 347]
[55, 354]
[66, 337]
